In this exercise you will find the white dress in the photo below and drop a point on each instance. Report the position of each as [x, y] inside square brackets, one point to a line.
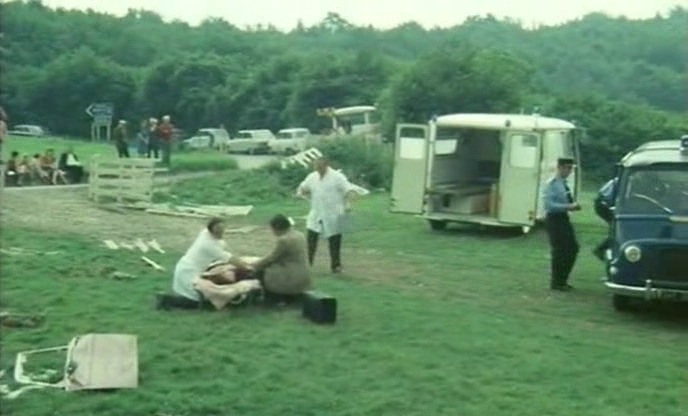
[327, 197]
[204, 251]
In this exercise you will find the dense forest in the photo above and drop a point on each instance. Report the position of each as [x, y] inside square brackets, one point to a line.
[624, 80]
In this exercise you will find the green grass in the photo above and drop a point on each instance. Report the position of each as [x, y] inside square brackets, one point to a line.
[187, 161]
[452, 323]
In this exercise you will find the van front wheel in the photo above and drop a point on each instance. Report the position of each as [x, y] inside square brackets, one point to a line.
[622, 303]
[437, 225]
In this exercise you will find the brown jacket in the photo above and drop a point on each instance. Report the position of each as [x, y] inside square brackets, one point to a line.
[286, 268]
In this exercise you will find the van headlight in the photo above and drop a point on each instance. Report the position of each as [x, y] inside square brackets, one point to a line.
[632, 253]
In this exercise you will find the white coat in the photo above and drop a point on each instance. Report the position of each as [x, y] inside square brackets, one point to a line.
[205, 250]
[327, 198]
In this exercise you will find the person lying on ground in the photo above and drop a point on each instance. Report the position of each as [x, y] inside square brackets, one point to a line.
[284, 273]
[208, 248]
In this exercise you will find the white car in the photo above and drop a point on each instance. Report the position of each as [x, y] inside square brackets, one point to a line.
[207, 139]
[251, 142]
[289, 141]
[28, 130]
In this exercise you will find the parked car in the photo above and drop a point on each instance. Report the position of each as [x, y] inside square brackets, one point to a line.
[251, 142]
[28, 130]
[207, 139]
[649, 231]
[289, 141]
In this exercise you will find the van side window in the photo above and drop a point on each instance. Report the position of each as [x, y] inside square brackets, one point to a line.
[523, 152]
[412, 143]
[446, 141]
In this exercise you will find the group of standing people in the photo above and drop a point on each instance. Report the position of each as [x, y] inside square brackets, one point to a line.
[153, 139]
[208, 271]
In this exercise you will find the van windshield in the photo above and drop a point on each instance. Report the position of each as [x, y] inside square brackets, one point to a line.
[655, 190]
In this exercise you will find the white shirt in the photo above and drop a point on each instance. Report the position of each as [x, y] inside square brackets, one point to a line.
[327, 196]
[204, 251]
[71, 160]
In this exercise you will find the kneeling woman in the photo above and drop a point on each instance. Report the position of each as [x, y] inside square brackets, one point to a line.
[284, 272]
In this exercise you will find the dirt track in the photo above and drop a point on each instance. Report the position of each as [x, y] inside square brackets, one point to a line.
[70, 211]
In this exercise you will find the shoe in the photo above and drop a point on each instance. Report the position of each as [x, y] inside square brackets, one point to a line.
[561, 287]
[337, 269]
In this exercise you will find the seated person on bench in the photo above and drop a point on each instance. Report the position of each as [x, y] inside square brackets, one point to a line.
[16, 173]
[208, 248]
[37, 174]
[284, 273]
[70, 165]
[48, 165]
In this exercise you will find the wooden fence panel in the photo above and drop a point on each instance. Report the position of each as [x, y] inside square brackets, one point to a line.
[126, 179]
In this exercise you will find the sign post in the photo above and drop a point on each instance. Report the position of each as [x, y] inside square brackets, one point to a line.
[101, 113]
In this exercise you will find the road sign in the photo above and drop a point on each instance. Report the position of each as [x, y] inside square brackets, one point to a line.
[102, 110]
[98, 119]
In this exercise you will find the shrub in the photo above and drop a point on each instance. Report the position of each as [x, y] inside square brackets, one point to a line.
[232, 187]
[201, 161]
[367, 164]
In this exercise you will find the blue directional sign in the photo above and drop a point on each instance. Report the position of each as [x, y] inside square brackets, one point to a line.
[101, 110]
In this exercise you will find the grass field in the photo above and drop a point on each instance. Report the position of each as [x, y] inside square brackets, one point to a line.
[188, 161]
[451, 323]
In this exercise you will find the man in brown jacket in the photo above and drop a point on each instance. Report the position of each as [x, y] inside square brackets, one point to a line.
[285, 271]
[121, 139]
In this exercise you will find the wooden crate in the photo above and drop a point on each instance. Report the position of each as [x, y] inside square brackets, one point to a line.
[125, 179]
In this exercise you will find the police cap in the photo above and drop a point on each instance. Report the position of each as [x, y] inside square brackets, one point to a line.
[565, 161]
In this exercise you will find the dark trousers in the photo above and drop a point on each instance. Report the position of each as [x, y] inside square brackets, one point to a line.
[562, 240]
[166, 148]
[74, 173]
[122, 150]
[152, 148]
[335, 245]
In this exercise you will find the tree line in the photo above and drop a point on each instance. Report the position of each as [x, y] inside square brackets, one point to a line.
[623, 80]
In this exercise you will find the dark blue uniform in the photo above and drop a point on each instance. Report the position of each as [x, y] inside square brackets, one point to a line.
[562, 237]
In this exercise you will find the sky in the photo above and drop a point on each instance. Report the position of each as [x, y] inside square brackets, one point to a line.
[383, 14]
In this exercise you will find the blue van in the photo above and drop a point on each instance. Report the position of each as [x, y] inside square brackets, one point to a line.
[648, 255]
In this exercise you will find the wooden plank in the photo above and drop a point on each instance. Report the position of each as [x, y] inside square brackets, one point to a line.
[152, 263]
[141, 245]
[176, 213]
[127, 246]
[155, 246]
[111, 244]
[241, 230]
[120, 193]
[219, 210]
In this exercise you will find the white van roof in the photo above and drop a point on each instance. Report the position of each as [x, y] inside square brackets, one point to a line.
[502, 121]
[345, 111]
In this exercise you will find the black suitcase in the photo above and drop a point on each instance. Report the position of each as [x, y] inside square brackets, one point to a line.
[319, 307]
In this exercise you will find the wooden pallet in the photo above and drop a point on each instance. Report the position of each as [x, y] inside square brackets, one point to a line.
[125, 179]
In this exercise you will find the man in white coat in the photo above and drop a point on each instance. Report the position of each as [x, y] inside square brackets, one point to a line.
[330, 195]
